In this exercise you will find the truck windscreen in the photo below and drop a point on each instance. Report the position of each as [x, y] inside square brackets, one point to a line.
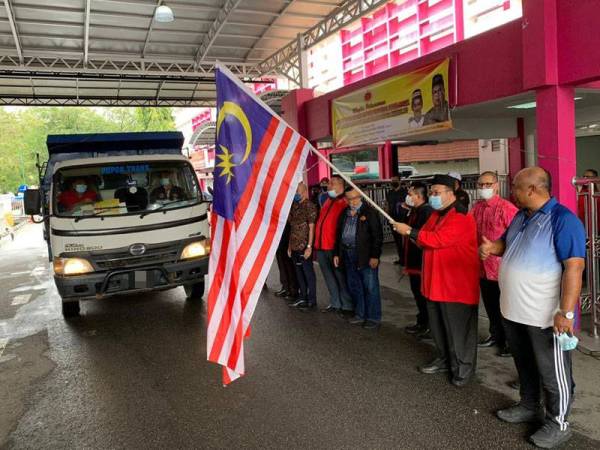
[124, 188]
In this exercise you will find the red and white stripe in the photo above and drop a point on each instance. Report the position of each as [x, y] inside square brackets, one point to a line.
[243, 249]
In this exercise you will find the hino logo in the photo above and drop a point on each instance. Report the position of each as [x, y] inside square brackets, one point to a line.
[137, 249]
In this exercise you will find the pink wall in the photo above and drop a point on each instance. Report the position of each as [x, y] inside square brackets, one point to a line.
[579, 41]
[539, 53]
[488, 66]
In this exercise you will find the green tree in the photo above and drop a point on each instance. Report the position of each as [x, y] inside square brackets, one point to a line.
[24, 133]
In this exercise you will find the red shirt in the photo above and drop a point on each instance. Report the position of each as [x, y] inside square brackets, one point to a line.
[326, 229]
[450, 258]
[69, 199]
[492, 217]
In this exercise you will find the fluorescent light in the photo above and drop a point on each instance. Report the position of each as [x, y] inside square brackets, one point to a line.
[527, 105]
[530, 105]
[164, 14]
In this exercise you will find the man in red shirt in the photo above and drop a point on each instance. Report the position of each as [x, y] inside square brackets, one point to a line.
[77, 194]
[325, 239]
[493, 215]
[450, 281]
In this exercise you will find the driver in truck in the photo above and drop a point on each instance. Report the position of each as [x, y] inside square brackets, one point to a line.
[78, 194]
[166, 190]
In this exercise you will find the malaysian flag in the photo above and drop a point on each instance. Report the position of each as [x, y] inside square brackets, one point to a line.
[257, 164]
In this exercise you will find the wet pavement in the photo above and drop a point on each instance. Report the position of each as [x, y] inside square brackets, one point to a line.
[131, 372]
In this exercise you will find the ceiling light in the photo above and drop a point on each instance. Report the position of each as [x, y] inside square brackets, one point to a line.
[527, 105]
[530, 105]
[164, 14]
[593, 125]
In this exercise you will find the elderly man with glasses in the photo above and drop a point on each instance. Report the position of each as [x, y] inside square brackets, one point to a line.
[493, 215]
[450, 281]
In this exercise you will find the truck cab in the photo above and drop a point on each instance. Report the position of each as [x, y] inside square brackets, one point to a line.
[122, 213]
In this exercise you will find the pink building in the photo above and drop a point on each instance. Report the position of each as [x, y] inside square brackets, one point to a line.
[522, 81]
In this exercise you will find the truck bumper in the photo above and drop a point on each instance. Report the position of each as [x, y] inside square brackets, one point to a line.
[99, 285]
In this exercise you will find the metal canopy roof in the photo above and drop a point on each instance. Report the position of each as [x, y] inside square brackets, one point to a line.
[110, 52]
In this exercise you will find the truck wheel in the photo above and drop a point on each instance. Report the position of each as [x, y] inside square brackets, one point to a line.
[70, 309]
[194, 291]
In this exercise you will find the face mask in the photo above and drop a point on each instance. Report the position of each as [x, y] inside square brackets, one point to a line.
[357, 207]
[332, 194]
[435, 201]
[485, 194]
[80, 188]
[165, 181]
[409, 201]
[297, 198]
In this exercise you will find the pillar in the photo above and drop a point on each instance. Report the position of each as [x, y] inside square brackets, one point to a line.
[555, 118]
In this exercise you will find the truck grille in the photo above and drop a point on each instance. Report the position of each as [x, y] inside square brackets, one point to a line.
[155, 254]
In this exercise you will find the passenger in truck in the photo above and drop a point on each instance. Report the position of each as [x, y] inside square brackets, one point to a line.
[79, 193]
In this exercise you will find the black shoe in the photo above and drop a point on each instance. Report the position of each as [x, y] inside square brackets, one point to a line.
[514, 384]
[346, 314]
[414, 329]
[424, 335]
[488, 342]
[520, 414]
[370, 325]
[550, 436]
[504, 351]
[329, 309]
[438, 365]
[460, 381]
[298, 304]
[281, 293]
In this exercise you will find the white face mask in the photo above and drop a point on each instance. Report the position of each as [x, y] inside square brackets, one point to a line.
[81, 188]
[409, 201]
[165, 181]
[485, 194]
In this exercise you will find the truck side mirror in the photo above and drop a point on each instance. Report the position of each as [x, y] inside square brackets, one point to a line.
[32, 202]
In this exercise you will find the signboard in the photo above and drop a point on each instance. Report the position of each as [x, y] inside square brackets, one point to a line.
[401, 106]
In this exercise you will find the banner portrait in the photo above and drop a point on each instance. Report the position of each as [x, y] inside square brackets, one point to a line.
[395, 108]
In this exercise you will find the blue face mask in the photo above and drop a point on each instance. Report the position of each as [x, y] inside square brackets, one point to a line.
[297, 198]
[81, 188]
[435, 201]
[332, 194]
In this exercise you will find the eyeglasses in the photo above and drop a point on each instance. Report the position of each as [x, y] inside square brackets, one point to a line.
[485, 185]
[436, 193]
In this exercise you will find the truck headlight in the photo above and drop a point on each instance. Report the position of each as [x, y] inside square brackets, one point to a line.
[72, 266]
[196, 249]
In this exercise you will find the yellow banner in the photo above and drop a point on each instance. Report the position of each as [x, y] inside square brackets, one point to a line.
[401, 106]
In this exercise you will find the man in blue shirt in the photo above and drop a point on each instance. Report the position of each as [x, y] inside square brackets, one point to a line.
[543, 258]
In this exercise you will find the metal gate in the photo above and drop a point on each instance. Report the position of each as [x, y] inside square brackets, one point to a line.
[589, 198]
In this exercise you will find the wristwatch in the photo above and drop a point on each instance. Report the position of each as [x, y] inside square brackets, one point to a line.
[308, 246]
[569, 315]
[408, 231]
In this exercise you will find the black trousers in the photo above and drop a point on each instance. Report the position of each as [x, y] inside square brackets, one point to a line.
[420, 300]
[399, 241]
[541, 364]
[454, 332]
[490, 292]
[287, 271]
[307, 280]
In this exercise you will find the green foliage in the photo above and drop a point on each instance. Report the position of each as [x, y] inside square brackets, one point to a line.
[23, 133]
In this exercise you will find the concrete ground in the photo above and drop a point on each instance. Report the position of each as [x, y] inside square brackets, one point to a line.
[131, 372]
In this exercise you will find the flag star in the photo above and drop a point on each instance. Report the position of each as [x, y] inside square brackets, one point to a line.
[226, 165]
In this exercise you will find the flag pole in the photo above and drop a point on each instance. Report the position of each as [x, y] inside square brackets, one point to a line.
[354, 186]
